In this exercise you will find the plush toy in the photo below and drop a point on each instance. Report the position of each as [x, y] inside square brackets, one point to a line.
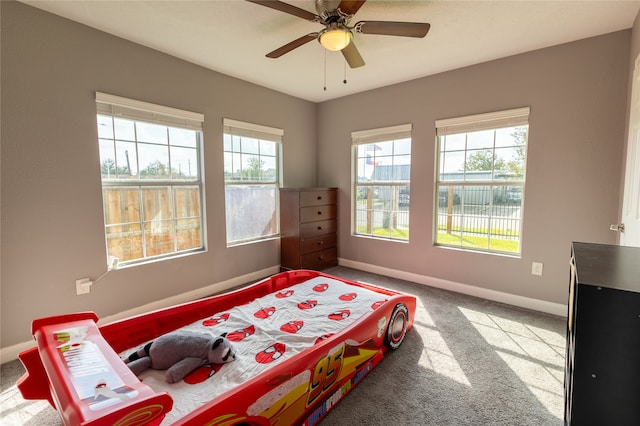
[180, 353]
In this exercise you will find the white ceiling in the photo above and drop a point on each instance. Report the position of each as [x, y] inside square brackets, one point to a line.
[233, 36]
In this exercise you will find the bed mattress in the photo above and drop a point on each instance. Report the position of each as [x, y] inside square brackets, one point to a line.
[264, 332]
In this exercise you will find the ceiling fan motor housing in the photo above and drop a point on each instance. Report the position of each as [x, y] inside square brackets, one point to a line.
[329, 12]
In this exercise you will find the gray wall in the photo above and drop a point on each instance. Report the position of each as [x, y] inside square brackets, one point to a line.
[578, 96]
[52, 222]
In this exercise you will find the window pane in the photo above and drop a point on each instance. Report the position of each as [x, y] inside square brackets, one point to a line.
[183, 137]
[384, 165]
[452, 165]
[154, 161]
[107, 159]
[269, 169]
[250, 146]
[121, 205]
[383, 211]
[159, 237]
[251, 167]
[124, 129]
[268, 148]
[454, 142]
[148, 132]
[250, 211]
[105, 127]
[364, 175]
[481, 139]
[231, 166]
[402, 146]
[478, 160]
[511, 136]
[127, 160]
[511, 162]
[187, 202]
[226, 142]
[125, 241]
[184, 163]
[156, 203]
[188, 234]
[235, 142]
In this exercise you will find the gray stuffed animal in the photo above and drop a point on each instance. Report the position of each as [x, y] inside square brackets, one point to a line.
[180, 353]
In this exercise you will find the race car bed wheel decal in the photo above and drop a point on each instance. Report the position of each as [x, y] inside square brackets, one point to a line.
[397, 328]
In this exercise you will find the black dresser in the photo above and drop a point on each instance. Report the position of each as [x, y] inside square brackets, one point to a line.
[602, 368]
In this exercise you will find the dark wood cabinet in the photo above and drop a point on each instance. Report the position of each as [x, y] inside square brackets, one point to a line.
[308, 227]
[602, 369]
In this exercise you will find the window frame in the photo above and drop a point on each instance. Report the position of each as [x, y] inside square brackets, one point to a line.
[500, 185]
[148, 114]
[370, 137]
[259, 132]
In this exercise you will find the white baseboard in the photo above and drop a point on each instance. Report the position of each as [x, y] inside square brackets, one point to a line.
[10, 353]
[496, 296]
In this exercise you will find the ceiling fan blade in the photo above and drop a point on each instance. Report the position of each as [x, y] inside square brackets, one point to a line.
[352, 56]
[292, 45]
[287, 8]
[402, 29]
[350, 7]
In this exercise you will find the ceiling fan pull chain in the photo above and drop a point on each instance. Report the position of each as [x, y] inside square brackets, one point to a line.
[325, 70]
[345, 72]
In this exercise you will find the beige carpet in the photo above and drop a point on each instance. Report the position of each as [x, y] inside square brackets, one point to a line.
[467, 361]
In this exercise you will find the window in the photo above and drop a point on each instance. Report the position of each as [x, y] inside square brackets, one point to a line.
[252, 181]
[152, 190]
[480, 181]
[382, 168]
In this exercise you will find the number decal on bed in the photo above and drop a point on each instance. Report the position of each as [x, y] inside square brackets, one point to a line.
[325, 373]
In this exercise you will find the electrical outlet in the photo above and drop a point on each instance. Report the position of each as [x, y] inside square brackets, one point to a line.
[536, 268]
[83, 286]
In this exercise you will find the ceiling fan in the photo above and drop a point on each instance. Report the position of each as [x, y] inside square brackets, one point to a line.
[337, 35]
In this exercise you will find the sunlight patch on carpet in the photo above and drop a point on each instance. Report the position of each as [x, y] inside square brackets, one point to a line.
[535, 355]
[15, 411]
[436, 355]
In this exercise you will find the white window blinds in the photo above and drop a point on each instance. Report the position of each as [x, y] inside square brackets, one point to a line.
[401, 131]
[144, 111]
[250, 130]
[491, 120]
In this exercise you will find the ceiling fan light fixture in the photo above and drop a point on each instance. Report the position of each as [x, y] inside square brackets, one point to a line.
[335, 39]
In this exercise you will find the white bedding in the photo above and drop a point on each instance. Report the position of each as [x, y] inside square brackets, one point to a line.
[266, 332]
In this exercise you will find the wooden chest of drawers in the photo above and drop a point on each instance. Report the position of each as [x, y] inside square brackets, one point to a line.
[308, 226]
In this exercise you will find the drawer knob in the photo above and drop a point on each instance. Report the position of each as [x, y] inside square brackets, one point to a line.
[319, 213]
[319, 197]
[320, 243]
[319, 228]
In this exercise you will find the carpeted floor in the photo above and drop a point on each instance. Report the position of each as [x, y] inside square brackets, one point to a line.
[467, 361]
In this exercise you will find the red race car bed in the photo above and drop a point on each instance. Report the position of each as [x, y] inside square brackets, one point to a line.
[303, 340]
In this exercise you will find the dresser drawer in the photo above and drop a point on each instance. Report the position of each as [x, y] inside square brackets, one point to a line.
[320, 259]
[315, 229]
[317, 198]
[318, 243]
[314, 214]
